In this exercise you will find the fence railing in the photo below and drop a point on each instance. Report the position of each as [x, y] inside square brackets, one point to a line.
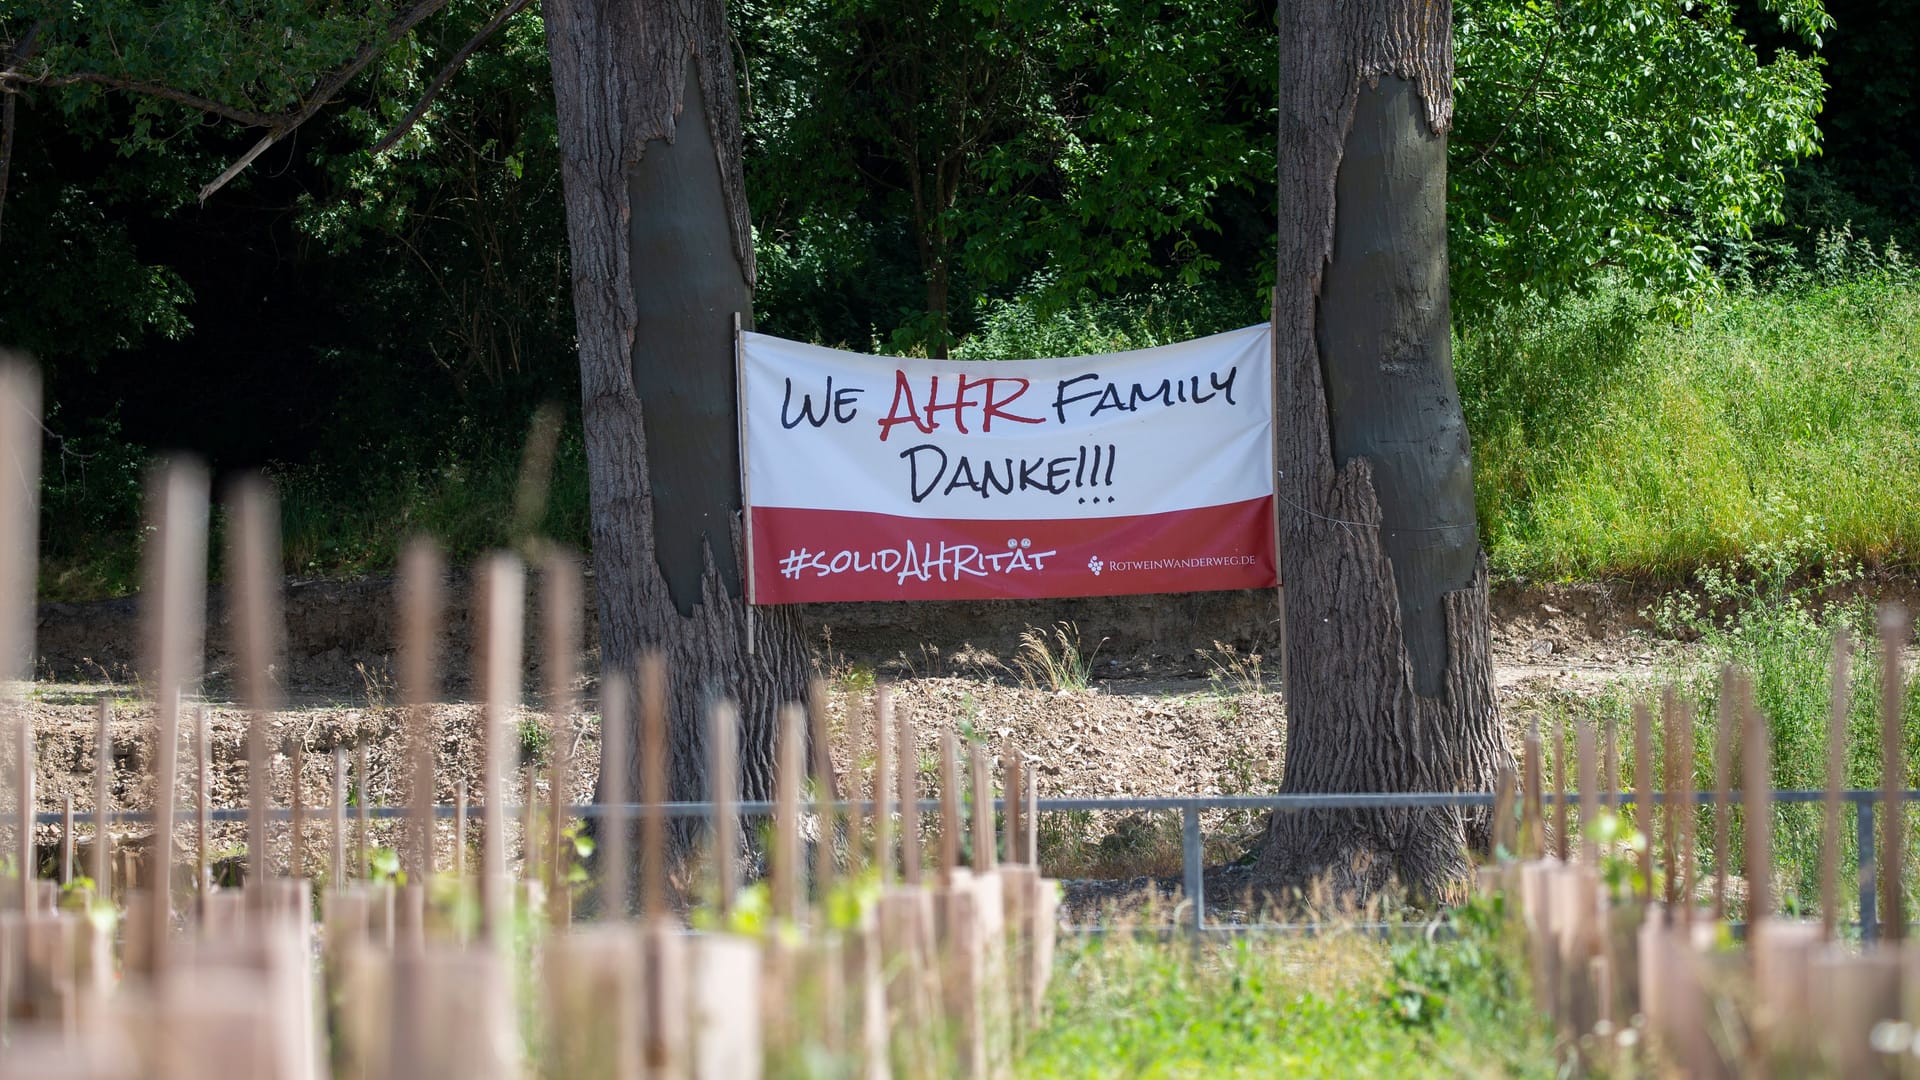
[1193, 918]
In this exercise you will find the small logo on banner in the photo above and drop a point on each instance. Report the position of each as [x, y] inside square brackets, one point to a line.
[1094, 564]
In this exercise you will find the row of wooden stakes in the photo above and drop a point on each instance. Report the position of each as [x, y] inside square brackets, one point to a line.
[1633, 953]
[878, 969]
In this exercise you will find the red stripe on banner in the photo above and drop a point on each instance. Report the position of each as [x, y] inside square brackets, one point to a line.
[809, 556]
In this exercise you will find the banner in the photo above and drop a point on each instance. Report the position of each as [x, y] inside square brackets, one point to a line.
[886, 478]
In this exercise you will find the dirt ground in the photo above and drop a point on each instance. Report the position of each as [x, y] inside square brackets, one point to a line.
[1152, 722]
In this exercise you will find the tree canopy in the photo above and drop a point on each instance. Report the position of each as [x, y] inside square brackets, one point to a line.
[910, 165]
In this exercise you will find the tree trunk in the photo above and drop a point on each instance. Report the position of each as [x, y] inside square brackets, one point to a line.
[649, 133]
[1389, 684]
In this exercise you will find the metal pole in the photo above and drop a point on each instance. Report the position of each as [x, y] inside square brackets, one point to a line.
[1190, 853]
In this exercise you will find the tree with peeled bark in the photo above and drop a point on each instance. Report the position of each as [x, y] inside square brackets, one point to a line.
[662, 255]
[1389, 683]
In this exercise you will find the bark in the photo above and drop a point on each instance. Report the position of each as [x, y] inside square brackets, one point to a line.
[1389, 683]
[662, 257]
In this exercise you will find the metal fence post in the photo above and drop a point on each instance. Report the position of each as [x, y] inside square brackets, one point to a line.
[1191, 852]
[1863, 827]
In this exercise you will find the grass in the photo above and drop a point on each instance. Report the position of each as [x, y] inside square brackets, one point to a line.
[1339, 1005]
[1766, 615]
[1612, 442]
[1055, 658]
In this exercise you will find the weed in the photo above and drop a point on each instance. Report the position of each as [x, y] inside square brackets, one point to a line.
[1232, 674]
[1056, 658]
[535, 740]
[846, 678]
[383, 866]
[375, 683]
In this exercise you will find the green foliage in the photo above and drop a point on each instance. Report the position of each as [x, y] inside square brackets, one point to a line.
[1620, 135]
[1431, 978]
[1258, 1007]
[1028, 327]
[466, 208]
[383, 867]
[984, 141]
[90, 498]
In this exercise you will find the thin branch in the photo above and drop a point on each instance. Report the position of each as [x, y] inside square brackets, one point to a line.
[323, 93]
[1539, 72]
[166, 93]
[439, 81]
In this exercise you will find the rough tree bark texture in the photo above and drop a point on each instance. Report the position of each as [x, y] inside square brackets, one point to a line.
[1389, 684]
[649, 132]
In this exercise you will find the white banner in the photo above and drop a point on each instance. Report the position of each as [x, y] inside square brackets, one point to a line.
[1115, 452]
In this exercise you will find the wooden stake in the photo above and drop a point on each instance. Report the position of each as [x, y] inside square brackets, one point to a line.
[1033, 825]
[1532, 823]
[530, 822]
[362, 807]
[28, 868]
[722, 783]
[20, 435]
[1010, 828]
[460, 831]
[103, 799]
[857, 734]
[253, 558]
[1894, 630]
[653, 787]
[883, 757]
[982, 786]
[907, 754]
[337, 868]
[826, 789]
[1612, 780]
[785, 861]
[201, 762]
[174, 620]
[1723, 794]
[1589, 797]
[66, 840]
[563, 650]
[1685, 809]
[1756, 785]
[1504, 826]
[421, 604]
[1669, 806]
[1643, 790]
[1839, 698]
[503, 582]
[616, 830]
[297, 856]
[1560, 817]
[949, 809]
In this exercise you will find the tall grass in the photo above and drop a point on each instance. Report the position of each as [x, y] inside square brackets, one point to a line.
[1610, 441]
[334, 524]
[1341, 1005]
[1766, 617]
